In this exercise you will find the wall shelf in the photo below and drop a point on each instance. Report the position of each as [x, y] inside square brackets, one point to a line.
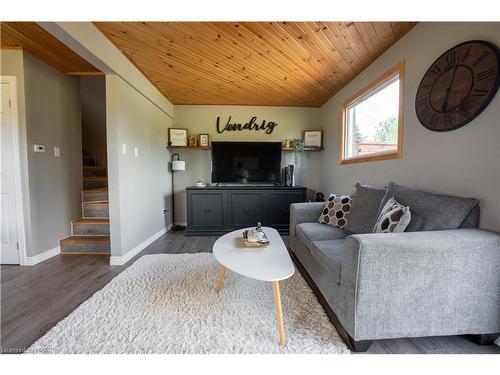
[306, 149]
[193, 147]
[289, 149]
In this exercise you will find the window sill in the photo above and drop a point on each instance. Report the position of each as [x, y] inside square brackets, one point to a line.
[375, 157]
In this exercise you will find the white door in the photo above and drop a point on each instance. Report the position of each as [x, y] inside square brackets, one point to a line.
[9, 253]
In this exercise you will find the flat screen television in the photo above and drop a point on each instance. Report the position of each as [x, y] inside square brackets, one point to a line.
[246, 162]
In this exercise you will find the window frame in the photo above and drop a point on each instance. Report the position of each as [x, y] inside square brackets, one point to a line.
[396, 70]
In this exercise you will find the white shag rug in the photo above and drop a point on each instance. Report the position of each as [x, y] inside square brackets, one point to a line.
[166, 304]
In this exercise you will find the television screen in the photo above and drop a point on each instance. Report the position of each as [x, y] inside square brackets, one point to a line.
[246, 162]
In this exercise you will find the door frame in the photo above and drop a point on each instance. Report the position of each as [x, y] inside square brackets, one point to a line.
[18, 185]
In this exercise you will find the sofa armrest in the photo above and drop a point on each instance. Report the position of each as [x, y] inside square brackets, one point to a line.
[423, 283]
[303, 213]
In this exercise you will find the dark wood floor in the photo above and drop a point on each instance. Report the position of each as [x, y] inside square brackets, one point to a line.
[34, 299]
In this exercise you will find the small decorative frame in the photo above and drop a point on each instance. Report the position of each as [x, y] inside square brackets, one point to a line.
[203, 140]
[193, 141]
[177, 137]
[313, 138]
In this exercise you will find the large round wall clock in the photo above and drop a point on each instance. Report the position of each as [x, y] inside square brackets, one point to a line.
[458, 86]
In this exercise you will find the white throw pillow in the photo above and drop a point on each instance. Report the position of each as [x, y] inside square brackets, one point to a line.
[394, 218]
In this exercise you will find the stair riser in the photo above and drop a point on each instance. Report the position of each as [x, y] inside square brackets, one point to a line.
[95, 210]
[92, 197]
[85, 246]
[91, 184]
[88, 161]
[94, 172]
[90, 229]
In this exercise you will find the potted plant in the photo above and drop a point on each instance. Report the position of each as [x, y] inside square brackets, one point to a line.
[298, 147]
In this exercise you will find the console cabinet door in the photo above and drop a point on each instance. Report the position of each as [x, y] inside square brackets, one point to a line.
[247, 209]
[278, 213]
[206, 210]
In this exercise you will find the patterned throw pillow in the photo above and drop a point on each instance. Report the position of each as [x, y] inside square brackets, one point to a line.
[394, 218]
[336, 210]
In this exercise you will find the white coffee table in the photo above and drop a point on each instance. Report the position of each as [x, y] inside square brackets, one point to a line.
[271, 263]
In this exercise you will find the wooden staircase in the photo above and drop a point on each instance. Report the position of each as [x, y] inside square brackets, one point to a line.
[90, 234]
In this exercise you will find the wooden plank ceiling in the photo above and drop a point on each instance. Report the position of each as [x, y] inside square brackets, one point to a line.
[252, 63]
[32, 38]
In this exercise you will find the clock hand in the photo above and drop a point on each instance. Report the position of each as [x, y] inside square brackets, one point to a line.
[444, 107]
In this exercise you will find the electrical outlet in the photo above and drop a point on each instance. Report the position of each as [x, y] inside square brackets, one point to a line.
[136, 151]
[164, 211]
[124, 149]
[57, 152]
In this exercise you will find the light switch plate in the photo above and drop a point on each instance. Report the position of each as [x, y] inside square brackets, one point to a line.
[124, 149]
[39, 148]
[57, 152]
[136, 151]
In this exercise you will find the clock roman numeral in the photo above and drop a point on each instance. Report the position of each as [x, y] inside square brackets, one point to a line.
[432, 120]
[486, 74]
[451, 59]
[426, 111]
[422, 101]
[466, 54]
[447, 120]
[464, 112]
[436, 69]
[477, 92]
[480, 58]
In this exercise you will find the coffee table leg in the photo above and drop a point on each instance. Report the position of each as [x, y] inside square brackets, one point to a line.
[222, 271]
[279, 313]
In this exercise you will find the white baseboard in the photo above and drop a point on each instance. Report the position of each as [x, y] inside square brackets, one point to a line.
[31, 261]
[121, 260]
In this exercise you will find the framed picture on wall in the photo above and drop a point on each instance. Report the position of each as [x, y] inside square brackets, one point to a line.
[313, 138]
[193, 141]
[177, 137]
[203, 140]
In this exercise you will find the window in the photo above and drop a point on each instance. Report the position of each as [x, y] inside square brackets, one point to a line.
[372, 120]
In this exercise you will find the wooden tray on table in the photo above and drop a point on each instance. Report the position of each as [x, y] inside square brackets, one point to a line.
[264, 242]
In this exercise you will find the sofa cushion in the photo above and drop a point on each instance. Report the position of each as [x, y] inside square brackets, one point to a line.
[365, 207]
[330, 254]
[309, 232]
[336, 210]
[430, 211]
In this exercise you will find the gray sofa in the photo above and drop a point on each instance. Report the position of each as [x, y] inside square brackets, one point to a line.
[411, 284]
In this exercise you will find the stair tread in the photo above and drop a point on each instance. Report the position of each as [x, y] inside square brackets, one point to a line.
[73, 239]
[86, 220]
[96, 202]
[95, 178]
[86, 252]
[96, 190]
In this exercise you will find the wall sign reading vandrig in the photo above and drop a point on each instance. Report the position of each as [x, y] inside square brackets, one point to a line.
[268, 127]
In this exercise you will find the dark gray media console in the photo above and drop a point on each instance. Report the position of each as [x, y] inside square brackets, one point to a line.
[214, 210]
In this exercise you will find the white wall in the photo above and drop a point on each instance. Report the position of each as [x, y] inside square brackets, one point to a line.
[49, 114]
[93, 97]
[139, 187]
[201, 119]
[463, 162]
